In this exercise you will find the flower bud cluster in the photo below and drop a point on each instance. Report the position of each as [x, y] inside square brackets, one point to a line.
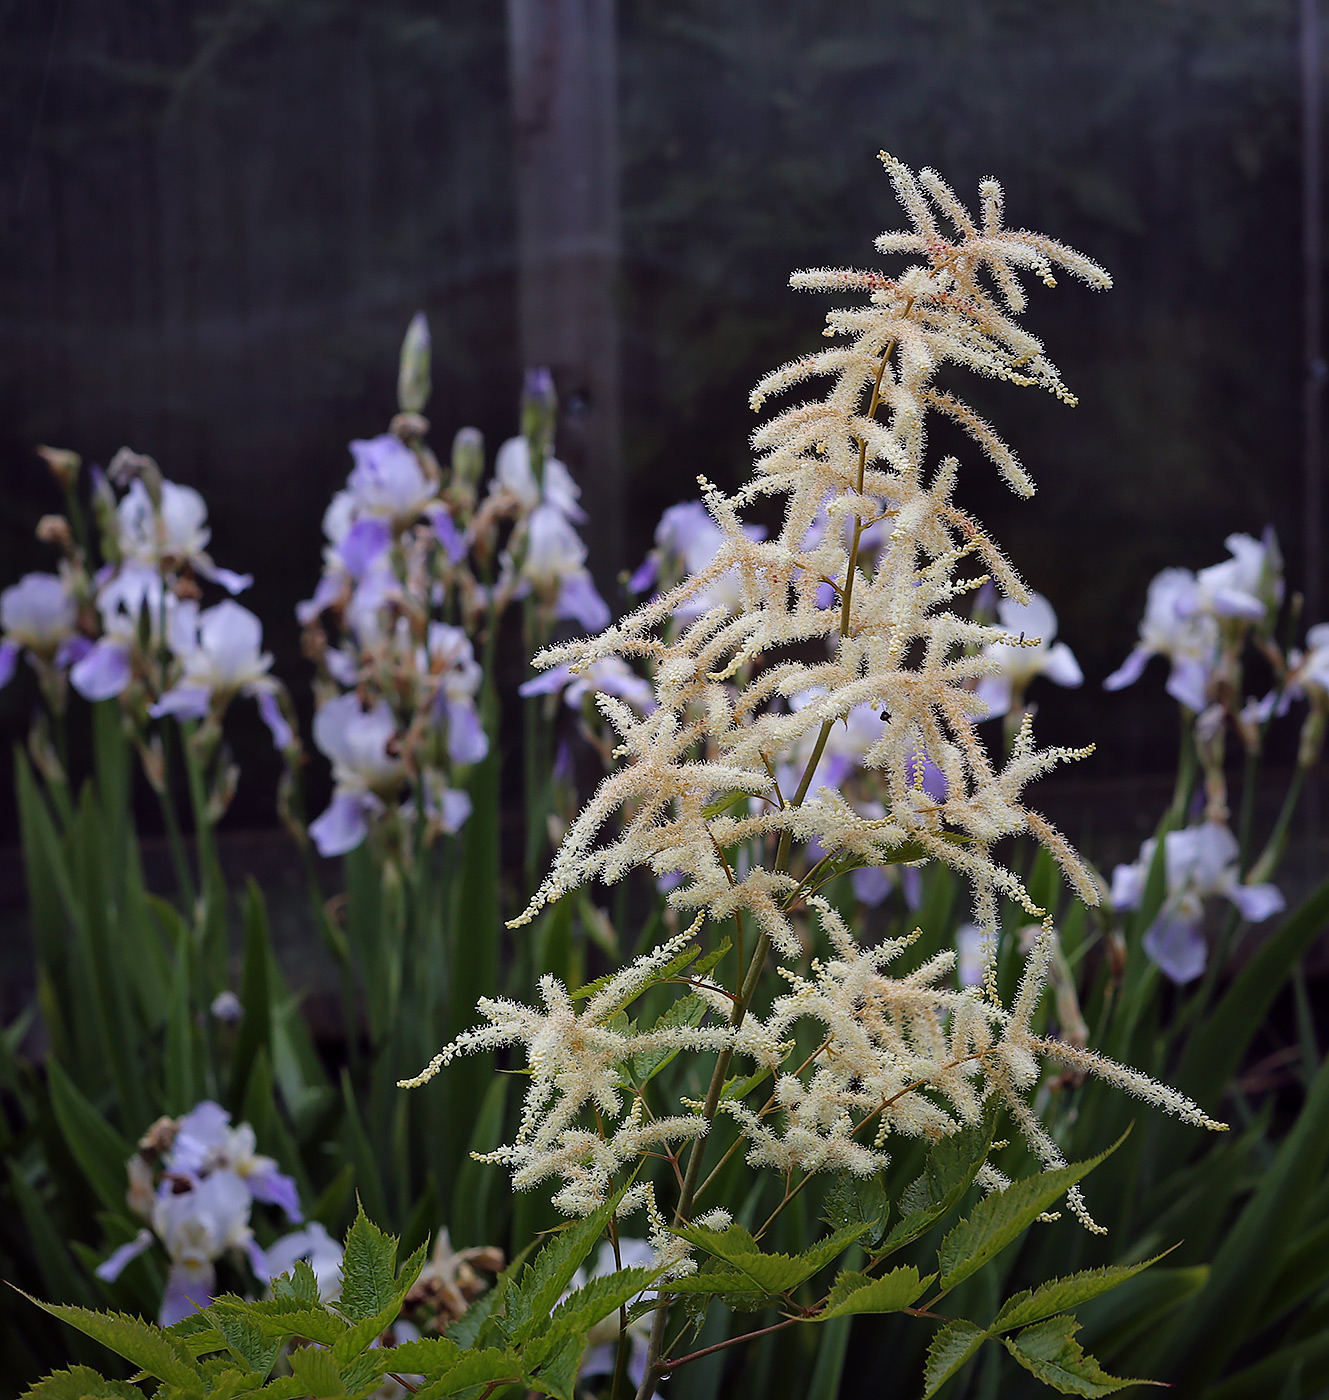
[135, 629]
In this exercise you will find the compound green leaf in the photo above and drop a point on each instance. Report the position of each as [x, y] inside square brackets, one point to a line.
[999, 1218]
[949, 1349]
[1063, 1294]
[1049, 1351]
[148, 1347]
[854, 1293]
[80, 1383]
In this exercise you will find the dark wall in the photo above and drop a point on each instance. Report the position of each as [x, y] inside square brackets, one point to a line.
[216, 218]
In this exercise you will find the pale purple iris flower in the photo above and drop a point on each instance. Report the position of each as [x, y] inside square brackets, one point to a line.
[1185, 614]
[1018, 665]
[222, 656]
[317, 1248]
[205, 1143]
[513, 473]
[1176, 626]
[364, 772]
[555, 561]
[1199, 862]
[687, 540]
[127, 598]
[387, 479]
[197, 1225]
[175, 535]
[36, 613]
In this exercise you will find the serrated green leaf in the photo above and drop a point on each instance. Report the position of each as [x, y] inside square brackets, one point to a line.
[300, 1285]
[478, 1323]
[314, 1324]
[475, 1368]
[855, 1200]
[80, 1383]
[948, 1350]
[532, 1298]
[1049, 1351]
[713, 958]
[999, 1218]
[770, 1274]
[1063, 1294]
[363, 1333]
[318, 1372]
[854, 1293]
[148, 1347]
[603, 1295]
[724, 803]
[685, 955]
[686, 1011]
[424, 1356]
[556, 1375]
[951, 1167]
[740, 1086]
[245, 1342]
[368, 1269]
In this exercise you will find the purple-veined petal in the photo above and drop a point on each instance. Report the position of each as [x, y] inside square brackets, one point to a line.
[270, 711]
[232, 582]
[1257, 902]
[670, 880]
[71, 651]
[1189, 683]
[827, 597]
[467, 740]
[364, 544]
[1129, 671]
[113, 1265]
[105, 671]
[188, 1290]
[995, 692]
[579, 601]
[454, 809]
[644, 575]
[341, 827]
[1127, 886]
[872, 883]
[184, 702]
[1061, 666]
[547, 684]
[447, 534]
[328, 591]
[1176, 943]
[275, 1188]
[8, 660]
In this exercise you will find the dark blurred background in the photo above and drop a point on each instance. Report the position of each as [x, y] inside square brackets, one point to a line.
[217, 217]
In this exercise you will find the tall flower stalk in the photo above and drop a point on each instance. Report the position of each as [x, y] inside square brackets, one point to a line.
[809, 627]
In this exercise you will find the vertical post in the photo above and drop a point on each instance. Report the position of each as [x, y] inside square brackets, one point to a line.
[1314, 367]
[564, 102]
[1312, 248]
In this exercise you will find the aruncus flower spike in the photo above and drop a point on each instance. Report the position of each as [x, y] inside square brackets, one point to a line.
[750, 681]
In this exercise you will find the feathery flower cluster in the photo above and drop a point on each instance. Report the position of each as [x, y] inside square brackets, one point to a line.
[765, 656]
[896, 645]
